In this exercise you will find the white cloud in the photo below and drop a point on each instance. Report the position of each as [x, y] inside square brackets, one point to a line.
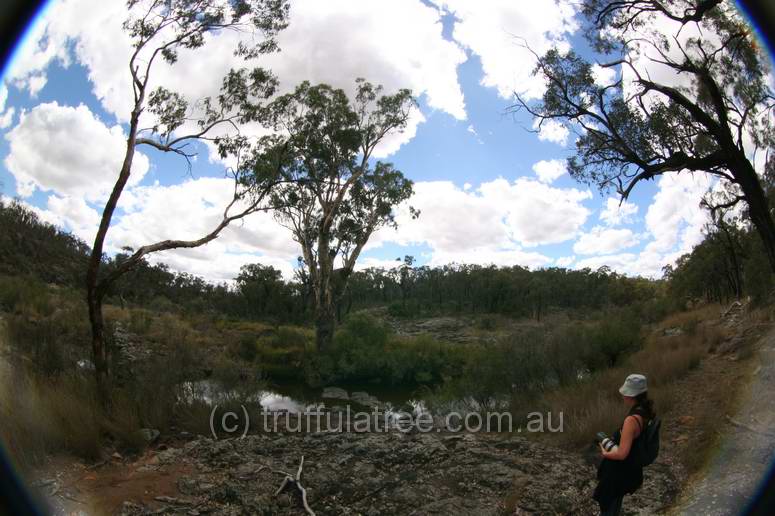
[614, 213]
[393, 141]
[605, 241]
[312, 48]
[472, 130]
[565, 261]
[552, 131]
[675, 218]
[6, 115]
[73, 214]
[603, 76]
[35, 83]
[192, 209]
[674, 224]
[69, 151]
[549, 170]
[537, 213]
[367, 262]
[186, 211]
[490, 256]
[6, 118]
[498, 31]
[489, 224]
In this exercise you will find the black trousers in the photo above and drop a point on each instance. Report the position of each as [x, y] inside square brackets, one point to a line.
[613, 509]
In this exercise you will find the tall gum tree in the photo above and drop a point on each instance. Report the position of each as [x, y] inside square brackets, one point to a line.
[691, 92]
[334, 198]
[160, 29]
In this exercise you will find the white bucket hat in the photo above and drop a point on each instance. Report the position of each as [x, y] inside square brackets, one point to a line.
[634, 384]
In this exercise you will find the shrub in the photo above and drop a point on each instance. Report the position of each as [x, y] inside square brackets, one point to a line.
[246, 349]
[43, 416]
[487, 322]
[25, 295]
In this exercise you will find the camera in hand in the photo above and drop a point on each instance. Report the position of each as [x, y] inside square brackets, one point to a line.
[607, 442]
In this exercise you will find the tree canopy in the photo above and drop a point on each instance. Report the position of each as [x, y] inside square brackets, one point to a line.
[333, 198]
[689, 92]
[159, 30]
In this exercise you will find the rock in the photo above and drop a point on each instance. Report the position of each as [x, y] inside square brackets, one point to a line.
[387, 473]
[672, 332]
[167, 499]
[85, 365]
[364, 398]
[131, 509]
[117, 456]
[149, 435]
[335, 393]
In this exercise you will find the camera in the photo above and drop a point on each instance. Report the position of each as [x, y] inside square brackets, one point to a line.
[607, 442]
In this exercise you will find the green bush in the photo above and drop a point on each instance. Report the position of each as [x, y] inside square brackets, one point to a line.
[25, 294]
[365, 350]
[405, 309]
[281, 355]
[487, 322]
[246, 349]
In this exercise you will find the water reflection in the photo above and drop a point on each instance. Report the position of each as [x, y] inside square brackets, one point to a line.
[297, 400]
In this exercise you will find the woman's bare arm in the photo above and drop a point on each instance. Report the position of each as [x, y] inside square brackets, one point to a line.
[630, 432]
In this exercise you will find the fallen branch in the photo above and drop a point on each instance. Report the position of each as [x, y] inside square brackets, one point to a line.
[290, 481]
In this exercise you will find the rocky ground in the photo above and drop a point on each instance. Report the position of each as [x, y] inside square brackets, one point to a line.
[350, 473]
[378, 473]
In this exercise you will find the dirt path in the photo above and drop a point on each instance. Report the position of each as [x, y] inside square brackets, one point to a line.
[748, 446]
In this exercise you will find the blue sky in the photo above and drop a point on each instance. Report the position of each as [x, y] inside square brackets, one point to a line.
[489, 189]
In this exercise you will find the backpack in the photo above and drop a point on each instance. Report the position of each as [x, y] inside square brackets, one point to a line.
[648, 447]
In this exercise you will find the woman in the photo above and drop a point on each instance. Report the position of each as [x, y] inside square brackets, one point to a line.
[619, 472]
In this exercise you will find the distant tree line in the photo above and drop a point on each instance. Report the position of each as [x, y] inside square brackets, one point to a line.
[29, 246]
[728, 264]
[515, 291]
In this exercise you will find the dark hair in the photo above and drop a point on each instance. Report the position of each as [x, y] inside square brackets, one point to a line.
[644, 406]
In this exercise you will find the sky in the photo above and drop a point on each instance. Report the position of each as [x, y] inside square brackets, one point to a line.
[490, 189]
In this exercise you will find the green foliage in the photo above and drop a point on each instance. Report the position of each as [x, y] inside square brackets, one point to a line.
[526, 364]
[364, 350]
[281, 355]
[728, 264]
[710, 117]
[513, 291]
[331, 197]
[246, 349]
[30, 247]
[25, 294]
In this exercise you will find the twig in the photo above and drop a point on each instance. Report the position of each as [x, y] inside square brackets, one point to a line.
[295, 482]
[98, 464]
[76, 500]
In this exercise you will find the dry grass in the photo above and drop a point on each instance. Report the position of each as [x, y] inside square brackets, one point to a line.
[595, 404]
[40, 417]
[691, 317]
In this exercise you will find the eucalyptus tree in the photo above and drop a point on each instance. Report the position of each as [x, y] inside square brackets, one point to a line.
[334, 197]
[692, 92]
[159, 30]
